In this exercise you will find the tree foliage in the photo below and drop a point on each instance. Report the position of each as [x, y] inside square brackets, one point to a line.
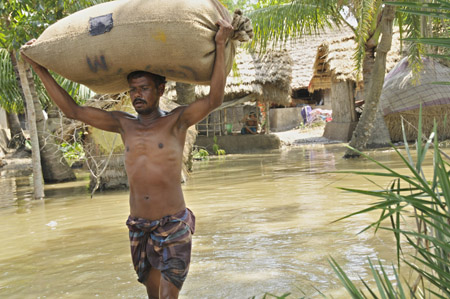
[21, 21]
[278, 20]
[428, 29]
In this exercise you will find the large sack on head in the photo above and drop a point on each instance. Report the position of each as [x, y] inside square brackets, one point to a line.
[99, 46]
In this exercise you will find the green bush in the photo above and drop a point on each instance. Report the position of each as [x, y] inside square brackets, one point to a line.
[72, 152]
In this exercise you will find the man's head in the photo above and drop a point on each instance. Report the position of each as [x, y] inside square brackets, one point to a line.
[156, 78]
[145, 90]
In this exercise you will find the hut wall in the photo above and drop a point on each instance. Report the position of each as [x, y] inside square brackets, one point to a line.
[342, 101]
[215, 123]
[323, 98]
[344, 114]
[440, 114]
[283, 119]
[241, 144]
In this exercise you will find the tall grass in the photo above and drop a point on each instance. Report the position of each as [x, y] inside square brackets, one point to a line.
[427, 200]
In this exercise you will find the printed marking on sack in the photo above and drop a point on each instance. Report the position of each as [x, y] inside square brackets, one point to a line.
[194, 73]
[97, 63]
[161, 36]
[101, 24]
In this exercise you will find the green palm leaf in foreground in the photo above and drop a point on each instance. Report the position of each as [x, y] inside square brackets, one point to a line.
[428, 201]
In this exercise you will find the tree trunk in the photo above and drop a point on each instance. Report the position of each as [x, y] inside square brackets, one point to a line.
[185, 93]
[31, 118]
[267, 122]
[17, 138]
[379, 137]
[368, 65]
[363, 129]
[54, 166]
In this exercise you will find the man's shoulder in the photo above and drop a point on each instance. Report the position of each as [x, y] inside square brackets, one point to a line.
[176, 112]
[123, 115]
[178, 109]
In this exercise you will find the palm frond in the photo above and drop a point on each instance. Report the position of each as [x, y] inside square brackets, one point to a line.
[10, 96]
[277, 23]
[365, 13]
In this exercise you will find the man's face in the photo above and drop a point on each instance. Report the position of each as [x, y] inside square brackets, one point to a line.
[145, 94]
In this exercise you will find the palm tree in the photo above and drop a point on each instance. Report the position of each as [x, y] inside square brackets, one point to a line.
[21, 21]
[280, 20]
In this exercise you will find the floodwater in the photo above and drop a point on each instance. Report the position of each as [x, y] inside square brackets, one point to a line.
[264, 224]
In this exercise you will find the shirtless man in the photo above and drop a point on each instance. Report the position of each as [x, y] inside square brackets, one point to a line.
[160, 225]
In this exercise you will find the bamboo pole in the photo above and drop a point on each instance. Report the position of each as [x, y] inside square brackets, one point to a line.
[38, 184]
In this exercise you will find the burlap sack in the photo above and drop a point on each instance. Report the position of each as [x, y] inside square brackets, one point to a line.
[99, 46]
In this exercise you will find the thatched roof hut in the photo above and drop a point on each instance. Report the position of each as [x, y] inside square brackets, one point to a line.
[334, 74]
[334, 62]
[401, 99]
[303, 52]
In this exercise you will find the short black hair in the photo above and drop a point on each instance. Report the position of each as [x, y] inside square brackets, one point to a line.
[156, 78]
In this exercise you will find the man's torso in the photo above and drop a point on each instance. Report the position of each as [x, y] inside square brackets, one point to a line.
[153, 158]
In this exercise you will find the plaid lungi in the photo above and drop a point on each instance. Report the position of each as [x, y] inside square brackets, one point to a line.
[163, 244]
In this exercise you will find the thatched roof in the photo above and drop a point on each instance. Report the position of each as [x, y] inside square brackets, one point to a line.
[401, 93]
[242, 80]
[401, 99]
[334, 61]
[303, 52]
[274, 73]
[265, 78]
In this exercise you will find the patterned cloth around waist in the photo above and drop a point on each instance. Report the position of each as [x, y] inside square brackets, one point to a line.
[164, 244]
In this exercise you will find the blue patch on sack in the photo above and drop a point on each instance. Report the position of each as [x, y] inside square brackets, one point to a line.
[100, 24]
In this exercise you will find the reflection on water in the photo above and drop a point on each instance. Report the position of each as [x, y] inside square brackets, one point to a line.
[263, 225]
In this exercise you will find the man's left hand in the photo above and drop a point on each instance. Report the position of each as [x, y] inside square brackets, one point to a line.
[225, 32]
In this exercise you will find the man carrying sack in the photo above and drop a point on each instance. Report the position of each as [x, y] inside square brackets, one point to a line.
[160, 225]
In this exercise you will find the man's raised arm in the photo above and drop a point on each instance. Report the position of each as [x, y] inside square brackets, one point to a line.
[90, 115]
[198, 110]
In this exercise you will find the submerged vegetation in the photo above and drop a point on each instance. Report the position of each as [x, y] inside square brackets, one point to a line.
[203, 154]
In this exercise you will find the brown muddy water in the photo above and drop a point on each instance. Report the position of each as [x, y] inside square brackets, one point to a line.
[264, 224]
